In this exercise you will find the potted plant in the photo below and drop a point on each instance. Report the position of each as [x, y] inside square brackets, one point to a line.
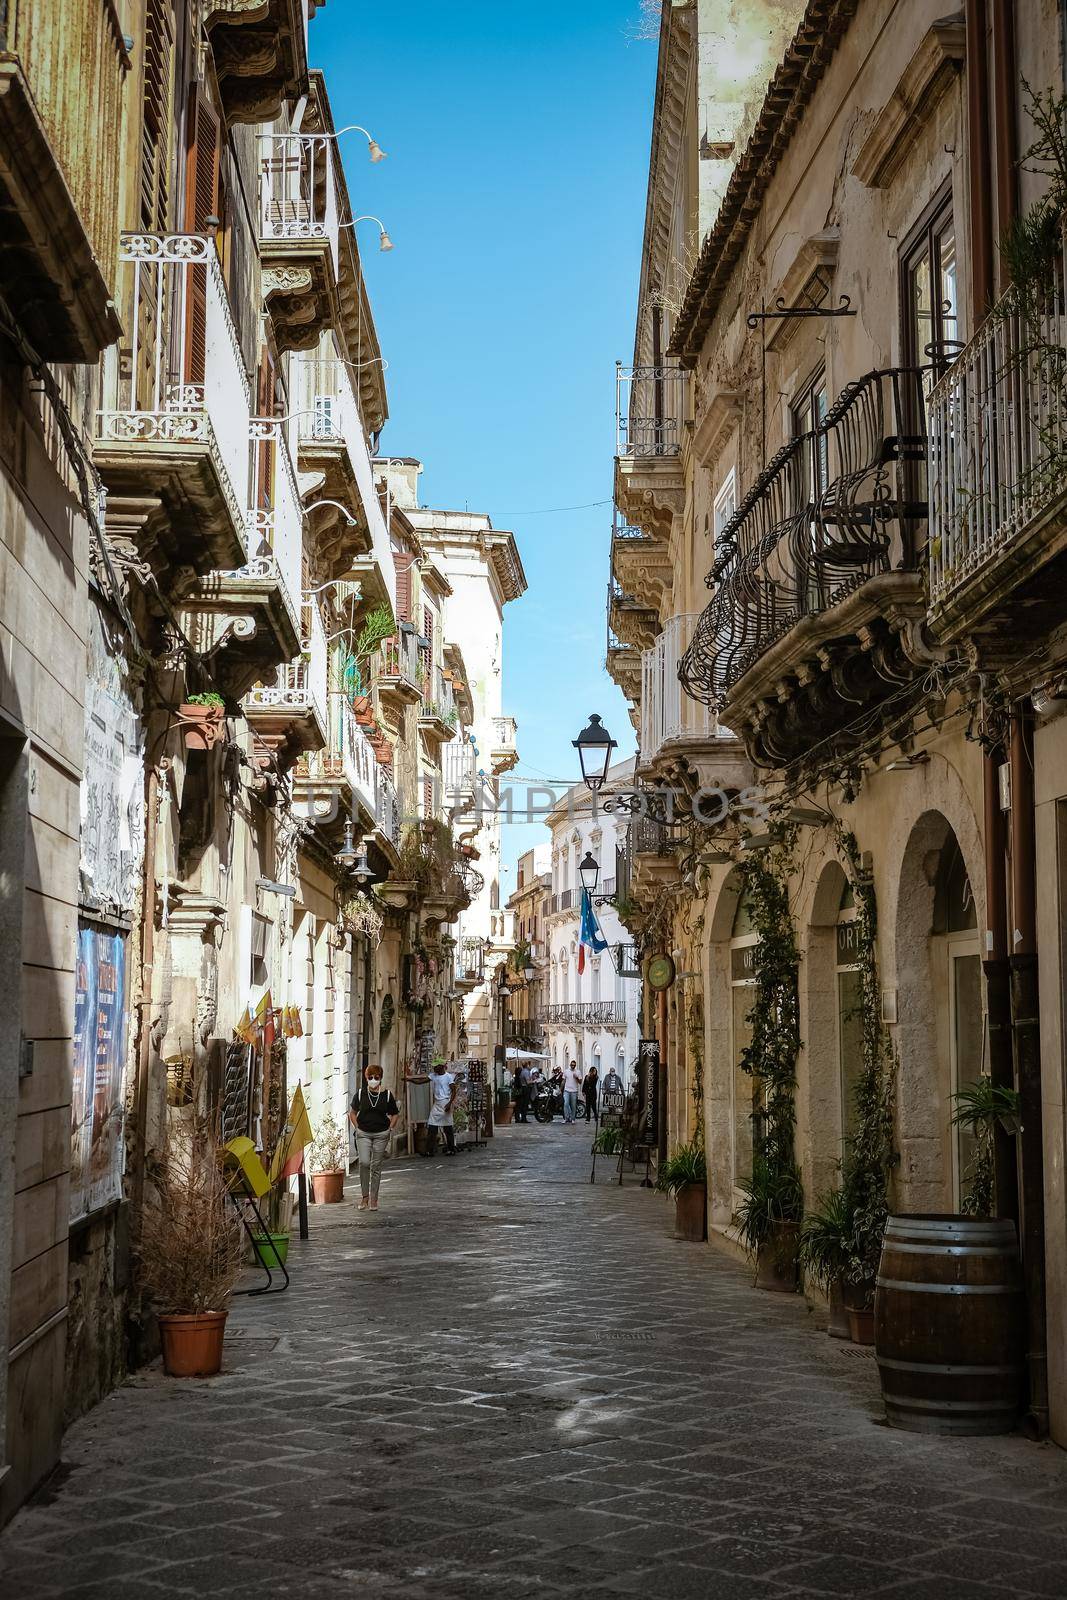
[190, 1250]
[329, 1161]
[768, 1222]
[684, 1176]
[201, 719]
[825, 1245]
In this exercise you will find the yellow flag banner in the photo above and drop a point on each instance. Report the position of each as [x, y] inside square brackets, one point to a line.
[245, 1169]
[289, 1156]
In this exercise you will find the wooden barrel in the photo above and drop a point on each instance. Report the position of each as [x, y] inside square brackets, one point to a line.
[949, 1323]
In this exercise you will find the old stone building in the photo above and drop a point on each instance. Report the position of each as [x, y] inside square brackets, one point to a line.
[845, 421]
[231, 678]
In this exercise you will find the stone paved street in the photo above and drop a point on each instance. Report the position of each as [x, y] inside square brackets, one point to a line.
[509, 1383]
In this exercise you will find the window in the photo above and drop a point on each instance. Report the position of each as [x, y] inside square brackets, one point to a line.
[725, 503]
[849, 1010]
[930, 319]
[809, 413]
[746, 1088]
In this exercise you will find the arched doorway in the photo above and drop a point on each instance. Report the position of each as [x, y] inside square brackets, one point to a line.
[940, 1032]
[745, 1093]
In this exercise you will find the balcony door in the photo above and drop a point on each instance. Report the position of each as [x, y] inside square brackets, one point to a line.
[929, 283]
[808, 413]
[745, 1088]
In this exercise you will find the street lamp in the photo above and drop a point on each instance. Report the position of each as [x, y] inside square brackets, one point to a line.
[594, 746]
[353, 860]
[529, 972]
[374, 149]
[589, 872]
[384, 241]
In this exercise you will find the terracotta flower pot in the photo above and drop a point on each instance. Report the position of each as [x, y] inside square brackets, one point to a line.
[691, 1213]
[202, 725]
[328, 1187]
[192, 1344]
[776, 1261]
[504, 1114]
[861, 1325]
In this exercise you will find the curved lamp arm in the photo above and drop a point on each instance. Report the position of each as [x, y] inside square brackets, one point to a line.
[374, 149]
[385, 242]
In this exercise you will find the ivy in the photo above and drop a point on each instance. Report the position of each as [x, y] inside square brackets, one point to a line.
[870, 1155]
[771, 1055]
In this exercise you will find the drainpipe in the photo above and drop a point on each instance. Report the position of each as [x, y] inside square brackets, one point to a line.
[1026, 1029]
[979, 173]
[1004, 115]
[997, 971]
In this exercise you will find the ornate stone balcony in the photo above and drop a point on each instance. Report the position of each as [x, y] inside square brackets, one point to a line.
[503, 752]
[260, 54]
[819, 604]
[630, 619]
[289, 713]
[650, 418]
[172, 441]
[299, 235]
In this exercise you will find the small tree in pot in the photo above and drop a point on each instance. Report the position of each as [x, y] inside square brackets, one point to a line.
[768, 1221]
[684, 1176]
[825, 1253]
[190, 1250]
[329, 1161]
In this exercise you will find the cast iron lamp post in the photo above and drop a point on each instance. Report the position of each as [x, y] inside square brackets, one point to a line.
[594, 746]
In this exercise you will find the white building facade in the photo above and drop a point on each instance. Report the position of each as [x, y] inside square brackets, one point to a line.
[591, 1016]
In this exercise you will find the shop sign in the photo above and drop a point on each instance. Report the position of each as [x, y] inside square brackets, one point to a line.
[648, 1080]
[743, 964]
[112, 786]
[100, 1019]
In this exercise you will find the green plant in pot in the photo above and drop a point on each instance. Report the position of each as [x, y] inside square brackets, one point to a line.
[190, 1249]
[979, 1108]
[768, 1221]
[328, 1161]
[826, 1237]
[684, 1177]
[200, 717]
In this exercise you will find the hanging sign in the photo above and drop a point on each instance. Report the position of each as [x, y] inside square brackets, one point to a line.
[648, 1084]
[659, 972]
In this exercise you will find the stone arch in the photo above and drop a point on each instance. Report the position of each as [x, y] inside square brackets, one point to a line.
[718, 1059]
[819, 1110]
[924, 1181]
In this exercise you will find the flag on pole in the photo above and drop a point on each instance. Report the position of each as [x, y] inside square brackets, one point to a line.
[289, 1156]
[589, 935]
[244, 1029]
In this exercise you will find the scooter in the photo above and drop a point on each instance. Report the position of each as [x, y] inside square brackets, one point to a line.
[547, 1101]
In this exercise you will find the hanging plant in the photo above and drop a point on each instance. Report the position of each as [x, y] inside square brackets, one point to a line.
[870, 1155]
[771, 1054]
[363, 915]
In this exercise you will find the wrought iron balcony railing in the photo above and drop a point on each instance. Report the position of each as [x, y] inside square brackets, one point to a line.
[297, 189]
[998, 434]
[667, 713]
[588, 1013]
[649, 410]
[832, 509]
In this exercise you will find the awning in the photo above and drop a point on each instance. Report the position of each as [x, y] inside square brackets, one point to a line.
[515, 1054]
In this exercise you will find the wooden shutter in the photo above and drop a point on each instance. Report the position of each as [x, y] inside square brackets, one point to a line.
[201, 202]
[427, 797]
[402, 561]
[155, 116]
[265, 447]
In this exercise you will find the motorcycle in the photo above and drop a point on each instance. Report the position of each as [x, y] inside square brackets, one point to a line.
[547, 1101]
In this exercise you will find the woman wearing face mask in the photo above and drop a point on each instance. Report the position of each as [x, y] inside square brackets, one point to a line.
[374, 1115]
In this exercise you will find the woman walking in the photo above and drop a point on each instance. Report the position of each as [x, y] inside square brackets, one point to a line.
[590, 1085]
[374, 1115]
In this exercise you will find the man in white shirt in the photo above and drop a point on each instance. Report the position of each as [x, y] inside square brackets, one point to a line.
[572, 1083]
[443, 1091]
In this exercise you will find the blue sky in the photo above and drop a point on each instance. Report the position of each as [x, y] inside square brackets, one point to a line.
[514, 191]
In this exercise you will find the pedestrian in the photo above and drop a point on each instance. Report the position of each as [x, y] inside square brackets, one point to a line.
[572, 1082]
[444, 1087]
[522, 1088]
[590, 1085]
[374, 1115]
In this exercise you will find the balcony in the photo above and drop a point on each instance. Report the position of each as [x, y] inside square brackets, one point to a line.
[819, 599]
[172, 443]
[299, 235]
[459, 764]
[640, 565]
[261, 591]
[588, 1014]
[259, 49]
[398, 675]
[437, 712]
[289, 715]
[333, 453]
[63, 72]
[340, 777]
[630, 620]
[649, 423]
[677, 731]
[998, 479]
[503, 753]
[623, 664]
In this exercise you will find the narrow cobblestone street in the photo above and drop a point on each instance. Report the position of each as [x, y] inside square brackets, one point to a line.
[508, 1382]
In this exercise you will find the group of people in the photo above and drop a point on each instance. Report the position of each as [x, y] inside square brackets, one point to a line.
[568, 1080]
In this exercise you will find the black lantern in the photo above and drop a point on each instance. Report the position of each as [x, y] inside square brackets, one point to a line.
[589, 872]
[594, 746]
[529, 972]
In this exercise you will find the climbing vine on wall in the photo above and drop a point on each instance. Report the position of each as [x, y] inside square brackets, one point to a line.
[870, 1155]
[774, 1020]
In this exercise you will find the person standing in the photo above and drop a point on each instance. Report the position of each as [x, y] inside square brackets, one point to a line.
[590, 1085]
[444, 1087]
[521, 1087]
[373, 1114]
[572, 1083]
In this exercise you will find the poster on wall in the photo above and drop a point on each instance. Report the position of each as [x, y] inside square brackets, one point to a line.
[99, 1053]
[112, 788]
